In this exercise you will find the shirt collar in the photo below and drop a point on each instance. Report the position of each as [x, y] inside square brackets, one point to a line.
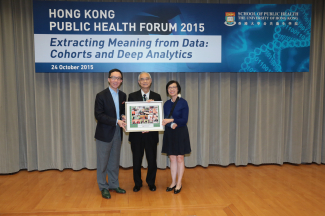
[112, 91]
[147, 94]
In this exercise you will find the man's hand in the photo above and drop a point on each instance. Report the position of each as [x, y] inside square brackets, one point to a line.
[150, 100]
[174, 126]
[123, 118]
[145, 131]
[121, 124]
[166, 121]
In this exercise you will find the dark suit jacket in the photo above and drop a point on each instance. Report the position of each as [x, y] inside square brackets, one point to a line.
[105, 113]
[152, 135]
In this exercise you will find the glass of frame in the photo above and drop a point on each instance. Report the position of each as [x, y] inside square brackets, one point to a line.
[144, 116]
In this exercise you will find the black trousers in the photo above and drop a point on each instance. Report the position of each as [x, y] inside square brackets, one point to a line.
[138, 148]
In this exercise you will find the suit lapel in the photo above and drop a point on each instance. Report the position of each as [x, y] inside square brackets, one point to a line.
[139, 96]
[110, 99]
[150, 95]
[120, 98]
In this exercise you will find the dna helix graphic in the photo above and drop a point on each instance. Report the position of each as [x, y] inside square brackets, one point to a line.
[267, 57]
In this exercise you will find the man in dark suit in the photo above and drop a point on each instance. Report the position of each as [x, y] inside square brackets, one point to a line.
[109, 110]
[147, 141]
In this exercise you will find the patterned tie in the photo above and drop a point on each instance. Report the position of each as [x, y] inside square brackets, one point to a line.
[144, 97]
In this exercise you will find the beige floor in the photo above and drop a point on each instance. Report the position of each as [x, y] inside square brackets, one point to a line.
[246, 190]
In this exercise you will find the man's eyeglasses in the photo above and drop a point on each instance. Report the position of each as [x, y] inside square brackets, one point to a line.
[116, 78]
[144, 79]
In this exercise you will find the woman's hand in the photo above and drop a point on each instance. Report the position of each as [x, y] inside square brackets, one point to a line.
[174, 126]
[166, 121]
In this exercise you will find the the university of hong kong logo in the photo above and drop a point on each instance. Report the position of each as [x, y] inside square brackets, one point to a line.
[230, 19]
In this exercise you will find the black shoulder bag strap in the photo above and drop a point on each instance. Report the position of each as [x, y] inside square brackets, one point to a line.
[172, 110]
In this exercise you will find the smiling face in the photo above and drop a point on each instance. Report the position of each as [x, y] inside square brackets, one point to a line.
[172, 90]
[115, 80]
[145, 81]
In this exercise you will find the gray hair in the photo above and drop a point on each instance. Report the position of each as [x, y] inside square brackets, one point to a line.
[143, 73]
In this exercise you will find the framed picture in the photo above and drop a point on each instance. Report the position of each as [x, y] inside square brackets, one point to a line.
[144, 116]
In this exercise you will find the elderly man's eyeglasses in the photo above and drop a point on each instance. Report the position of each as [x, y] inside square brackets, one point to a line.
[144, 79]
[116, 78]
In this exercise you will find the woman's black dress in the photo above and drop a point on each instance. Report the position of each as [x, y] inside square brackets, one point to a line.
[176, 141]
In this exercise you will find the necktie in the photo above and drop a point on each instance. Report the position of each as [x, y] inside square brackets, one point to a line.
[144, 97]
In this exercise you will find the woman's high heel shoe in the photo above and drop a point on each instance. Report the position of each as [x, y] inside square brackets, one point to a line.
[170, 189]
[177, 191]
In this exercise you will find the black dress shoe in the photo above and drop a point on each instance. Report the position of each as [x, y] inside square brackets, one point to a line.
[177, 191]
[170, 189]
[136, 188]
[106, 194]
[118, 190]
[152, 187]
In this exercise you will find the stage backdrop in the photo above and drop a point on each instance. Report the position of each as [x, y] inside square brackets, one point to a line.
[171, 37]
[47, 119]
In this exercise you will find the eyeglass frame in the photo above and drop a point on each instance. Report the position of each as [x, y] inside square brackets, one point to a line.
[145, 79]
[116, 78]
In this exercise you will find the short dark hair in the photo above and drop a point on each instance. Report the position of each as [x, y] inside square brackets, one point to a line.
[114, 70]
[171, 82]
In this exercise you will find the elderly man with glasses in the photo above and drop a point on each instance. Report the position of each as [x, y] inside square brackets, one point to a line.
[147, 141]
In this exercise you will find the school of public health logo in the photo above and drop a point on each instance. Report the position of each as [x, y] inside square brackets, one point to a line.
[230, 19]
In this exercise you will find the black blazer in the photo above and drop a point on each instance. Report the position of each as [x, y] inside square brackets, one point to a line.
[105, 113]
[152, 135]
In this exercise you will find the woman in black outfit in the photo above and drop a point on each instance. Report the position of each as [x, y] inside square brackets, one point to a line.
[176, 141]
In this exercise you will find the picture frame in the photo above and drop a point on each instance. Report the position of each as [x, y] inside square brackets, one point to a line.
[144, 116]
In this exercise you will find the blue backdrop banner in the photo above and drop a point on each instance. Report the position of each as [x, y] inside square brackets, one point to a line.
[171, 37]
